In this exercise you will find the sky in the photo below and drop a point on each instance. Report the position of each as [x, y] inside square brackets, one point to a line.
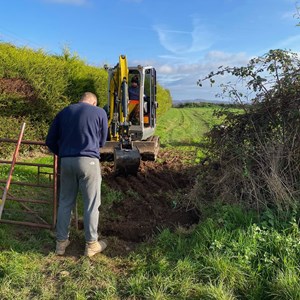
[183, 40]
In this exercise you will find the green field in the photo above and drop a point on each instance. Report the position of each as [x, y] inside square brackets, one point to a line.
[230, 254]
[185, 126]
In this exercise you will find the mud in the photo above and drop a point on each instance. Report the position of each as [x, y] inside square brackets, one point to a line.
[151, 201]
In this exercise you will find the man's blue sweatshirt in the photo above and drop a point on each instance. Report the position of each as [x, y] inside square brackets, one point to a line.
[78, 130]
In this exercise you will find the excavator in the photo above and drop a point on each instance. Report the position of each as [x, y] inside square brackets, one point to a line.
[131, 122]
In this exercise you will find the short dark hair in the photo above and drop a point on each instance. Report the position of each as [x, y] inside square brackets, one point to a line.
[135, 79]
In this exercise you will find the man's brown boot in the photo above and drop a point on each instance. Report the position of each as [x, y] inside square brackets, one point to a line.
[92, 248]
[61, 247]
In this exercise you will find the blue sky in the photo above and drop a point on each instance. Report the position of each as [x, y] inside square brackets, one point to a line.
[184, 40]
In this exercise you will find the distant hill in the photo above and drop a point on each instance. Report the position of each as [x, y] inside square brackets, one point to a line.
[180, 102]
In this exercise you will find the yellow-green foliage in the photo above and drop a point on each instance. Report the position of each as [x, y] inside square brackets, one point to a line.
[83, 77]
[164, 100]
[34, 86]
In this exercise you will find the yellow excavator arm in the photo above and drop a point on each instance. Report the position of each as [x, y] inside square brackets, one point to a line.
[118, 96]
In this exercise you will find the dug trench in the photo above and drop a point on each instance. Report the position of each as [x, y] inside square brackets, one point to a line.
[153, 200]
[150, 202]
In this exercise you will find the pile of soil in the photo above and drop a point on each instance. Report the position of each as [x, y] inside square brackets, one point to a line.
[150, 199]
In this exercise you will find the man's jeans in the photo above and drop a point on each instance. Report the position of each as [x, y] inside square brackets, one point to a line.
[84, 174]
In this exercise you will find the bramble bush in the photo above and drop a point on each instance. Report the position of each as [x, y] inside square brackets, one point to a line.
[254, 156]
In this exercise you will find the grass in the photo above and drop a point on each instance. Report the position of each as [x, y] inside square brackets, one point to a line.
[29, 174]
[230, 254]
[219, 259]
[184, 128]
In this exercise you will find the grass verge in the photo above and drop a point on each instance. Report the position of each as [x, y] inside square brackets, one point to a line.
[231, 254]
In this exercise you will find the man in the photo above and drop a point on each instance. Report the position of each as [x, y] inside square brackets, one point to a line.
[134, 89]
[76, 135]
[134, 97]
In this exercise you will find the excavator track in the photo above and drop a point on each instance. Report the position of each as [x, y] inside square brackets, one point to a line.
[148, 149]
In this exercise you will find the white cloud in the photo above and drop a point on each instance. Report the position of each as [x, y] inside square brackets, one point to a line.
[180, 42]
[181, 77]
[186, 61]
[180, 74]
[71, 2]
[209, 62]
[166, 69]
[224, 58]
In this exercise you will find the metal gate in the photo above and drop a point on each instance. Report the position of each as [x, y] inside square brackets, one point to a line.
[21, 208]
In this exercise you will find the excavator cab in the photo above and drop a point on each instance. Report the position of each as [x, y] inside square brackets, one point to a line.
[142, 110]
[131, 111]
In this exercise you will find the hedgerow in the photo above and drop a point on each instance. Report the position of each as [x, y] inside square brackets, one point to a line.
[35, 85]
[254, 156]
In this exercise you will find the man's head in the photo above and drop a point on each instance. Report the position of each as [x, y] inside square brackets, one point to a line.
[134, 81]
[89, 98]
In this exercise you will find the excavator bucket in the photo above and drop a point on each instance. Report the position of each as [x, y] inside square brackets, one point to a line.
[126, 161]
